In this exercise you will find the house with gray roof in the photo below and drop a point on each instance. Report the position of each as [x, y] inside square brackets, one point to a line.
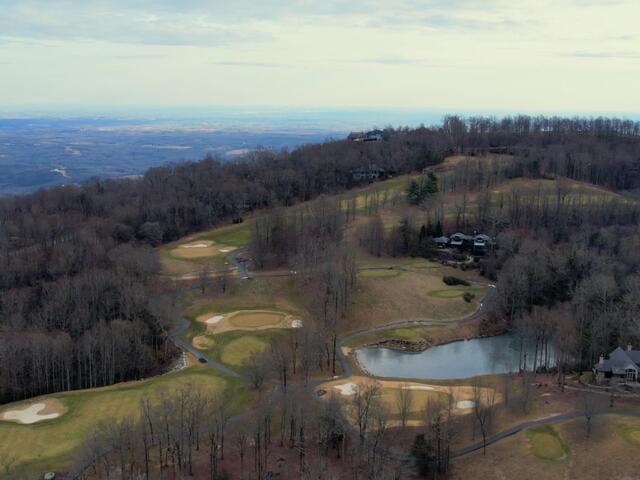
[619, 365]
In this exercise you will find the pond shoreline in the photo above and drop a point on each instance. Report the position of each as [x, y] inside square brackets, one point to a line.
[418, 346]
[455, 358]
[386, 344]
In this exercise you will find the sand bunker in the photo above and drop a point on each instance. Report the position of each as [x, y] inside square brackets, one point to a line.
[462, 395]
[202, 342]
[197, 245]
[346, 388]
[37, 412]
[200, 249]
[416, 387]
[247, 320]
[213, 320]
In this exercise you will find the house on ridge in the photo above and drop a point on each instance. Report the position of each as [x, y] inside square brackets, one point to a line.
[621, 365]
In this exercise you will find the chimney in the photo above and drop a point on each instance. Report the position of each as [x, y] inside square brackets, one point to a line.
[629, 348]
[601, 358]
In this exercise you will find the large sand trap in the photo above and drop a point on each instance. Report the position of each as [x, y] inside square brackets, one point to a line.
[416, 387]
[213, 320]
[37, 412]
[197, 245]
[202, 342]
[247, 320]
[201, 249]
[462, 395]
[347, 389]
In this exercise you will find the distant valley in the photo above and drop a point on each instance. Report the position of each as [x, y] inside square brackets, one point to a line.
[37, 153]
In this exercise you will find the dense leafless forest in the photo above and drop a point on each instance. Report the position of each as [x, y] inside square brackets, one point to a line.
[79, 306]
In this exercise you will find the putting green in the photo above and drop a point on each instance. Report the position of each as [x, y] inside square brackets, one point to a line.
[424, 264]
[546, 444]
[256, 319]
[50, 445]
[379, 273]
[238, 351]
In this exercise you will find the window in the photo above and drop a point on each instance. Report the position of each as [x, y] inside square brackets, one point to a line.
[631, 374]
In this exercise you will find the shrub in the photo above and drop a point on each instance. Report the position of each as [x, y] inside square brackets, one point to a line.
[468, 296]
[449, 280]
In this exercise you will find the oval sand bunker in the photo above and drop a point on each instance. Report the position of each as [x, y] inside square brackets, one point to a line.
[465, 404]
[37, 412]
[213, 320]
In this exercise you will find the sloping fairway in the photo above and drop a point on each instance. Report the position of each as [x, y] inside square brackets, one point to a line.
[545, 443]
[49, 445]
[204, 249]
[239, 350]
[411, 294]
[630, 434]
[379, 273]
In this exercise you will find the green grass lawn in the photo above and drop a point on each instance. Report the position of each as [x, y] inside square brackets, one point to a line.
[379, 273]
[410, 333]
[455, 292]
[50, 445]
[234, 236]
[630, 434]
[235, 347]
[546, 443]
[228, 236]
[423, 264]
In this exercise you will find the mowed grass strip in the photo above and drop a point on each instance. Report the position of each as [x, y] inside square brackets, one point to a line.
[50, 445]
[545, 443]
[454, 293]
[235, 347]
[379, 273]
[630, 434]
[239, 350]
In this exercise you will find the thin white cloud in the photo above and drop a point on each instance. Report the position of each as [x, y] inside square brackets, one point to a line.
[605, 55]
[234, 63]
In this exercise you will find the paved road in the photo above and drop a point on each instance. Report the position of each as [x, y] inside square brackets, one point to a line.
[496, 437]
[176, 335]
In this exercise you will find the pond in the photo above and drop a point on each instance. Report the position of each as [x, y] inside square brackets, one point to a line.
[462, 359]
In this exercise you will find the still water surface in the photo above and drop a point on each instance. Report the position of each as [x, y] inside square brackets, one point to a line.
[463, 359]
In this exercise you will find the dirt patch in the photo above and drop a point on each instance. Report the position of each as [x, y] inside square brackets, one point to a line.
[46, 409]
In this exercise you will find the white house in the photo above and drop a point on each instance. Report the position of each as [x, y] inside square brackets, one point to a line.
[621, 364]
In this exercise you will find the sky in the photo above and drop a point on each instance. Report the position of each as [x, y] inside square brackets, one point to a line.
[512, 55]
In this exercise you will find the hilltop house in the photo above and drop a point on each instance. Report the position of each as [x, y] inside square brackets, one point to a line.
[478, 244]
[620, 364]
[441, 241]
[370, 173]
[460, 240]
[371, 136]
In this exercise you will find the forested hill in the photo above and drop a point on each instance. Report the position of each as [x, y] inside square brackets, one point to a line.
[77, 307]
